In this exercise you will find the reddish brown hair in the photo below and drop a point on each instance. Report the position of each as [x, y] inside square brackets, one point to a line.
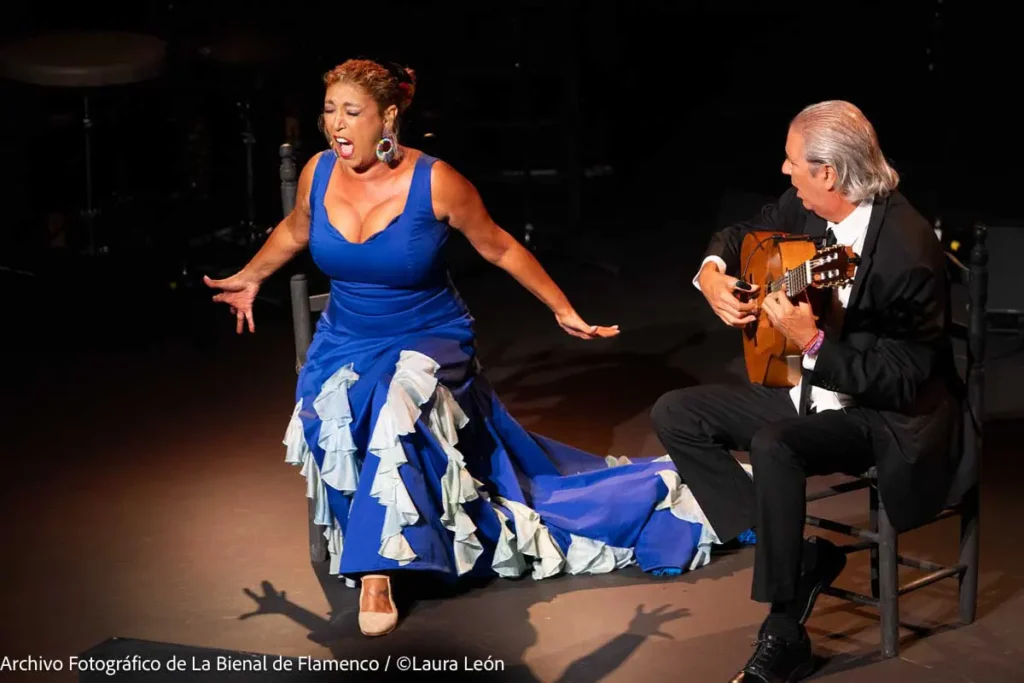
[386, 86]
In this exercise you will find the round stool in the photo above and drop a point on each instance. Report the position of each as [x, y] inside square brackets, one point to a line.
[85, 61]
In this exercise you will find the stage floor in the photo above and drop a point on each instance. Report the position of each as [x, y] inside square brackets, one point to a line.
[145, 495]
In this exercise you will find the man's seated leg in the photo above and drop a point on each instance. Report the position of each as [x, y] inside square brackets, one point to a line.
[698, 426]
[790, 572]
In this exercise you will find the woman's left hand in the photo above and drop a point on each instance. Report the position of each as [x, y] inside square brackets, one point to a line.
[572, 323]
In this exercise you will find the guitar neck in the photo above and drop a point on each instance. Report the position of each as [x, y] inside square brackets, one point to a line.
[796, 280]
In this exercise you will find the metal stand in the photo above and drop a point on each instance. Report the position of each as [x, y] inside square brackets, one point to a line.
[250, 232]
[246, 232]
[89, 215]
[573, 170]
[90, 212]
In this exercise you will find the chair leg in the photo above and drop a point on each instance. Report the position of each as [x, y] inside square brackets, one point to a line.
[874, 549]
[969, 551]
[888, 583]
[317, 542]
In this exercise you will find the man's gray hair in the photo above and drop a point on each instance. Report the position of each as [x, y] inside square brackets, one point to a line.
[837, 134]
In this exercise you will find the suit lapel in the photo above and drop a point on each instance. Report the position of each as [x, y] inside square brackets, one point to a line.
[867, 252]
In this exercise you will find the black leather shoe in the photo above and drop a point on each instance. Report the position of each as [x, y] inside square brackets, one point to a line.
[778, 661]
[826, 563]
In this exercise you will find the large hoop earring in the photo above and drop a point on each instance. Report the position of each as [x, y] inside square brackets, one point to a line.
[387, 148]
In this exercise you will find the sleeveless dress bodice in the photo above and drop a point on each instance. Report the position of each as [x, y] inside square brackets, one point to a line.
[395, 282]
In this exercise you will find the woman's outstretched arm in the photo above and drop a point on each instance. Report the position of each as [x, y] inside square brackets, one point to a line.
[457, 201]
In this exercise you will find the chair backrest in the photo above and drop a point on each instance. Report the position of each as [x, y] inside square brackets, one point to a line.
[303, 305]
[289, 178]
[972, 332]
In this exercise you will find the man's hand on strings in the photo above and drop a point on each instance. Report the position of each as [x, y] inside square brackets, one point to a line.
[795, 322]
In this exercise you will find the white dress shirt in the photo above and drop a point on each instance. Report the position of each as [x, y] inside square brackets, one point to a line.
[851, 232]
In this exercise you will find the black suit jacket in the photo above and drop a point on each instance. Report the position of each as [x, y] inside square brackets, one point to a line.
[894, 354]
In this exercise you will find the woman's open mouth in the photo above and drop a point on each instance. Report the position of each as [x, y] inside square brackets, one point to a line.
[345, 148]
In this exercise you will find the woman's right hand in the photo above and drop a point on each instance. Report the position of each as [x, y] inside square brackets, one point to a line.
[720, 291]
[238, 292]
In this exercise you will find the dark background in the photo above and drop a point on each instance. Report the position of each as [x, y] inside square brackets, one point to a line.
[685, 102]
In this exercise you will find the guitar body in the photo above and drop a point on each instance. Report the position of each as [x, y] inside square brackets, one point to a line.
[771, 359]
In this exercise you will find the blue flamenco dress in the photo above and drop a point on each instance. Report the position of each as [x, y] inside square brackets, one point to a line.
[411, 459]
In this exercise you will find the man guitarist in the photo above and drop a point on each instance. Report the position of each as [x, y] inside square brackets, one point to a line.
[877, 388]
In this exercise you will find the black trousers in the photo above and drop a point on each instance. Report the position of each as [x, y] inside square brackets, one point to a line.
[699, 425]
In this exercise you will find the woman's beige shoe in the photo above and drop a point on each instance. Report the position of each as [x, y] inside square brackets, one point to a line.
[376, 623]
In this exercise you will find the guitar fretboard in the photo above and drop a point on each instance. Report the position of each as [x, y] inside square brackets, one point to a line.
[796, 280]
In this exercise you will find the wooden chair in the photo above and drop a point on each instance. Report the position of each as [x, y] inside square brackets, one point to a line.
[303, 307]
[881, 539]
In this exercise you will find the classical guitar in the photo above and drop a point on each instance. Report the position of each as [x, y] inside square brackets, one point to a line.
[771, 260]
